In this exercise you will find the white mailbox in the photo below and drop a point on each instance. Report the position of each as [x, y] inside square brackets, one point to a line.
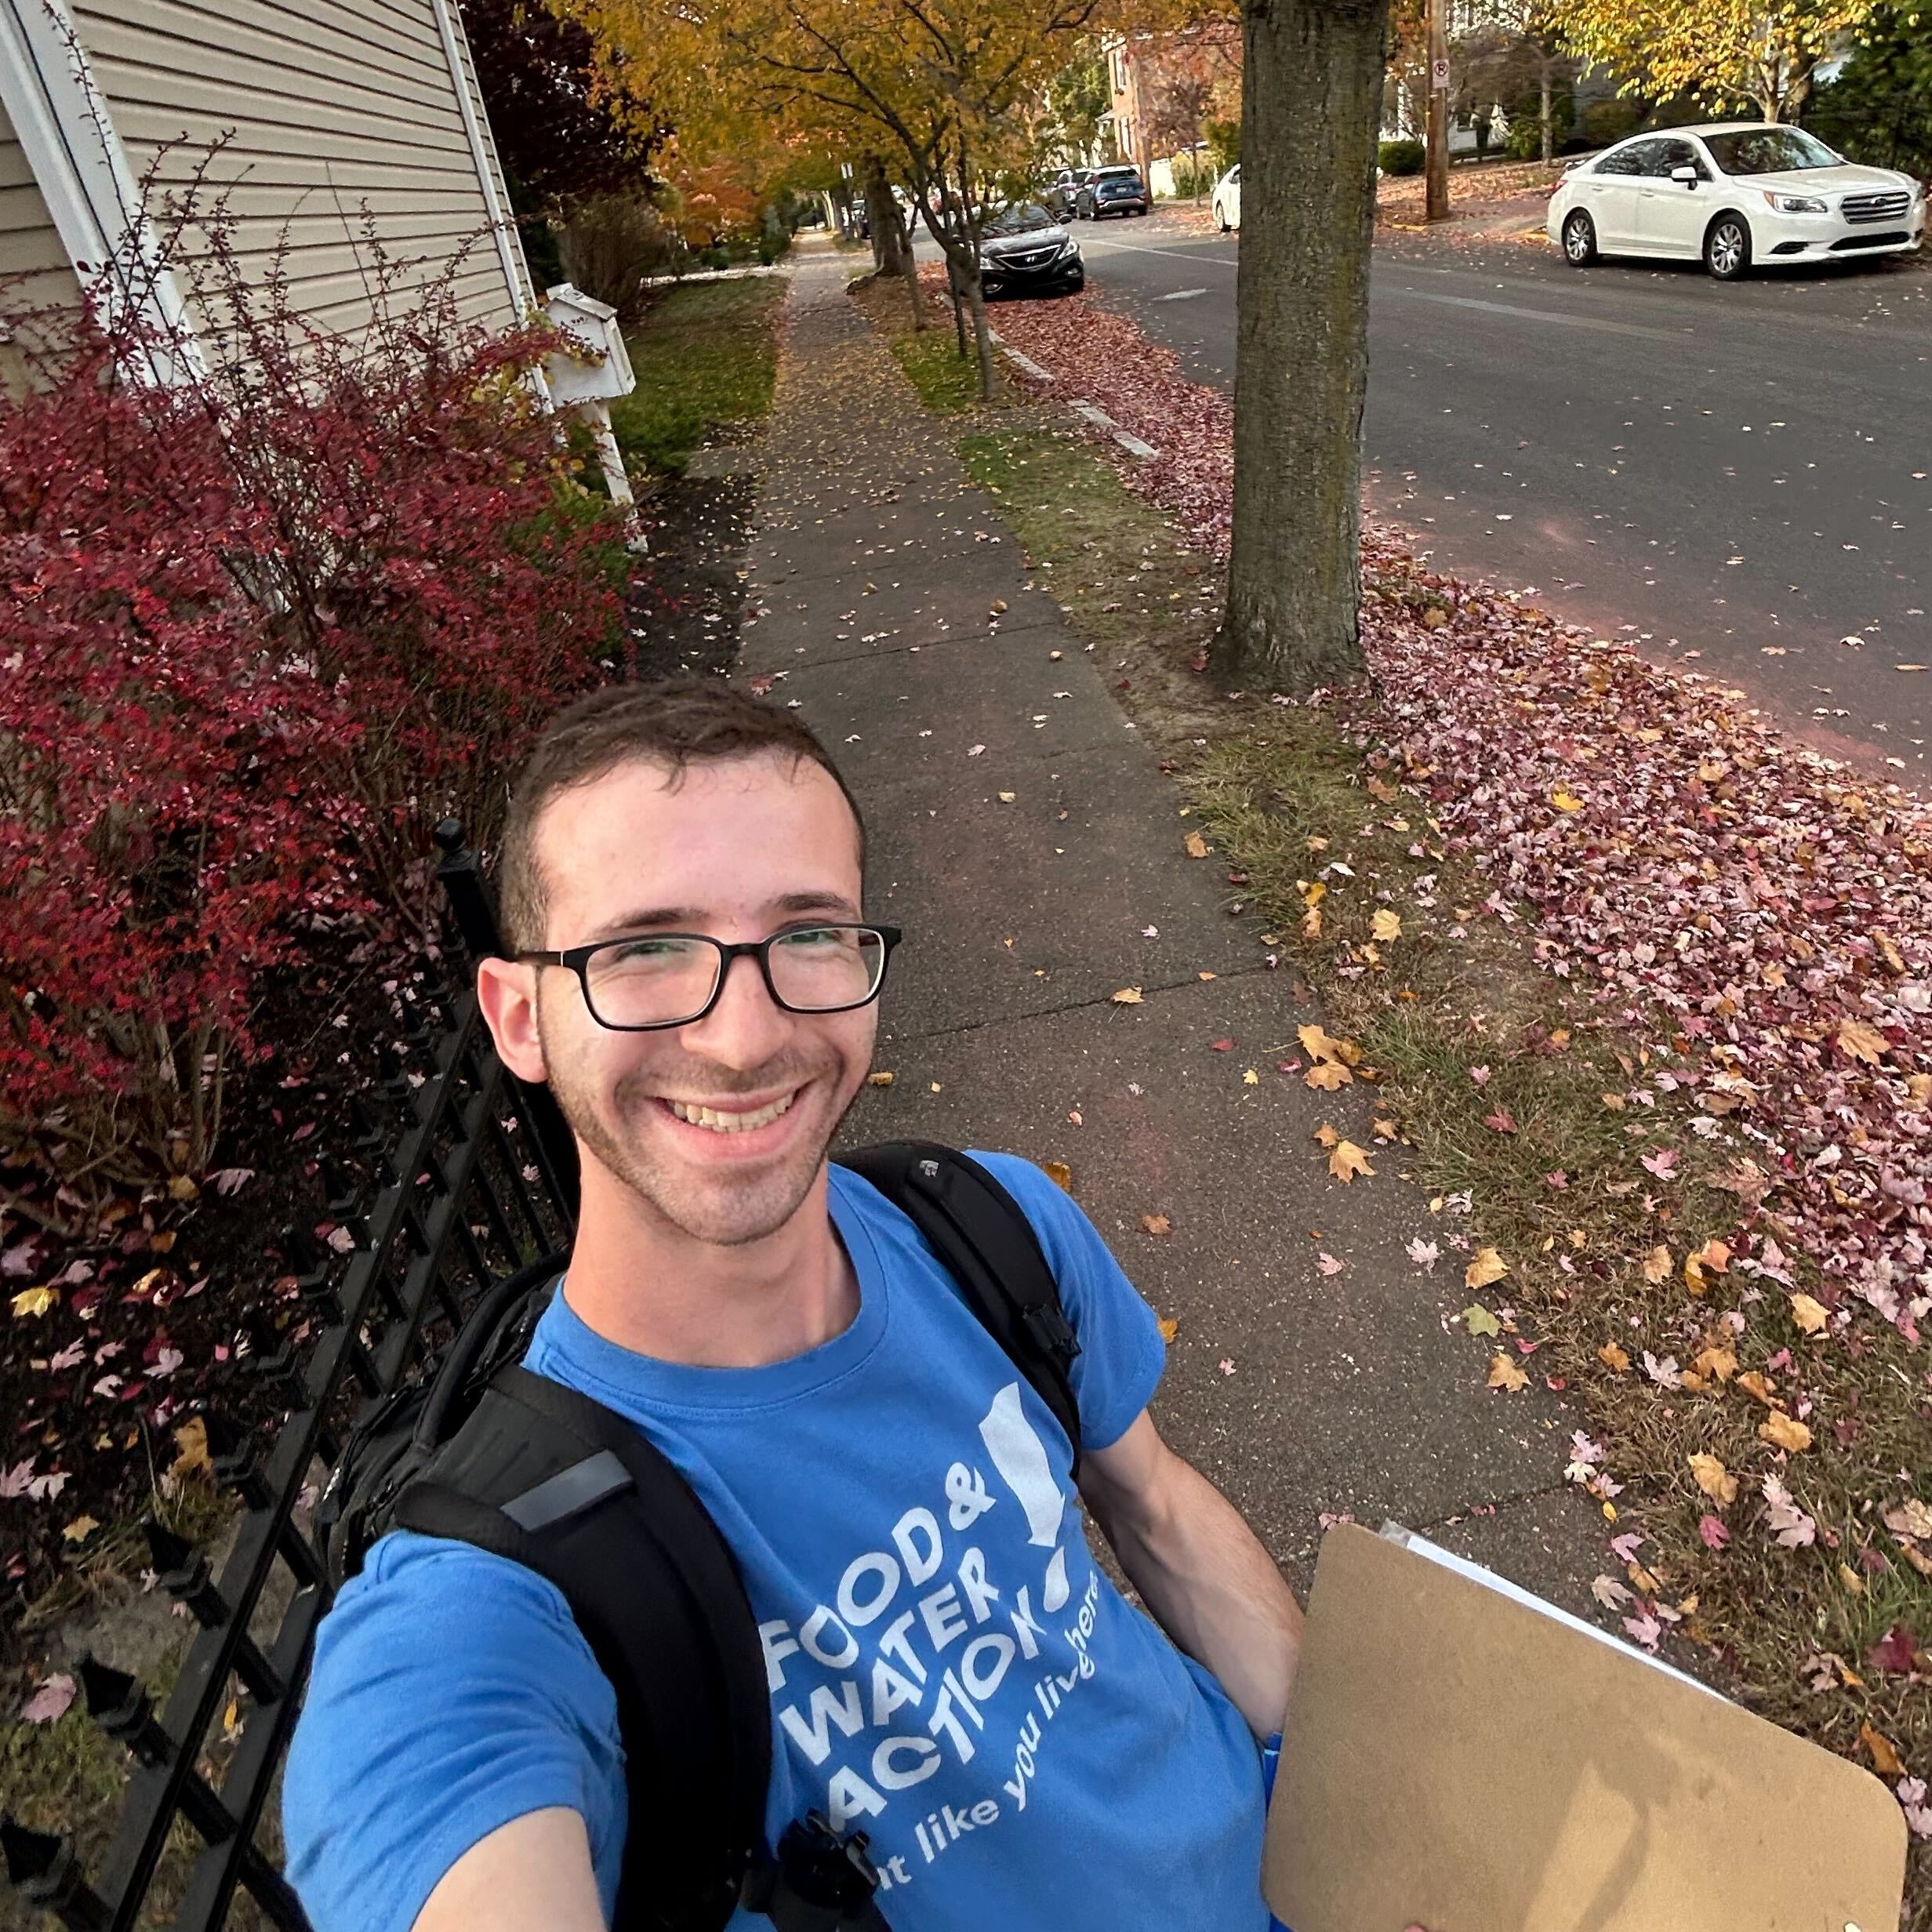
[589, 383]
[603, 371]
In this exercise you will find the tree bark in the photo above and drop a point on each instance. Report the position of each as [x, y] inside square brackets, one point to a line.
[1311, 99]
[1548, 109]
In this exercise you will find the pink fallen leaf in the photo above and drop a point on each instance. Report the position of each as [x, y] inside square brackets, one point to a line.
[1329, 1264]
[1896, 1652]
[1662, 1162]
[1789, 1525]
[1712, 1530]
[49, 1701]
[1645, 1627]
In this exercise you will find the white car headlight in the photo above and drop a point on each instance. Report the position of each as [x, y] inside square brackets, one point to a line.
[1795, 204]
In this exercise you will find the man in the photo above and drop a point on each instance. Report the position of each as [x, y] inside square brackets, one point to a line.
[898, 1498]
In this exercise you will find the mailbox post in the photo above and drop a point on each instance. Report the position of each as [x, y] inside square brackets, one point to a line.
[587, 378]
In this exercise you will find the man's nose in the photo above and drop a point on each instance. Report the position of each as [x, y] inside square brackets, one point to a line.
[746, 1027]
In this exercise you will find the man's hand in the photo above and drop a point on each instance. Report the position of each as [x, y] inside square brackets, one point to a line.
[535, 1871]
[1199, 1568]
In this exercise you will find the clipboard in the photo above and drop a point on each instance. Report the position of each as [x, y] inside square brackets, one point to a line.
[1460, 1756]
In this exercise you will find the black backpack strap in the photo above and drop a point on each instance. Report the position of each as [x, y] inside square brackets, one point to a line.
[553, 1480]
[983, 1238]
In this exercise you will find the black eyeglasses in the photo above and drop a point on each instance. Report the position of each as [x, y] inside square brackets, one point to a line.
[655, 979]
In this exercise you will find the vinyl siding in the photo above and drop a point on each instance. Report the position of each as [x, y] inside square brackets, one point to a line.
[324, 130]
[34, 271]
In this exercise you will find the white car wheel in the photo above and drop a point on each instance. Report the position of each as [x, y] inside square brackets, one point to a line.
[1727, 247]
[1579, 239]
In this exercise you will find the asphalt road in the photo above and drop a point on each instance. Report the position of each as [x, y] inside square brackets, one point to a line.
[1739, 476]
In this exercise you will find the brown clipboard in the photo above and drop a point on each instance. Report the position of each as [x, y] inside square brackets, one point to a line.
[1457, 1759]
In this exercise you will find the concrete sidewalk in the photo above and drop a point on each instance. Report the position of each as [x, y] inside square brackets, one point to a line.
[1033, 851]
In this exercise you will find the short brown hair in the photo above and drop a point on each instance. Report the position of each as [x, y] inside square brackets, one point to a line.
[671, 723]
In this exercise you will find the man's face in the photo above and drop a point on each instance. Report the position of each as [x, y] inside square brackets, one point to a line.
[735, 848]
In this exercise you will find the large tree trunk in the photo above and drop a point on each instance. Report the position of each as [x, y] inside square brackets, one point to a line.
[1311, 103]
[970, 282]
[881, 217]
[1548, 107]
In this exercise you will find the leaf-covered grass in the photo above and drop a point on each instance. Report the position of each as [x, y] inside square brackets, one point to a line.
[1466, 1038]
[706, 357]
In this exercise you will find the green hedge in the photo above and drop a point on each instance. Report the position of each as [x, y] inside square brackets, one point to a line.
[1400, 157]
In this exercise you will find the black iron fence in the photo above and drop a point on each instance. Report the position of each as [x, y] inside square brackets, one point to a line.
[475, 1175]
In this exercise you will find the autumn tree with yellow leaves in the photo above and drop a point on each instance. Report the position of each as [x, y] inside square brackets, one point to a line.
[1722, 51]
[950, 91]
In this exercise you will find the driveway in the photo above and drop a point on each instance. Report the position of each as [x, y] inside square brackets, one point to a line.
[1733, 475]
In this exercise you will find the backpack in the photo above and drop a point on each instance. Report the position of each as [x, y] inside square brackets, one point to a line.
[477, 1447]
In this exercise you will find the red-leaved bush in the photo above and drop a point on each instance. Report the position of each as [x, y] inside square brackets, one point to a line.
[259, 631]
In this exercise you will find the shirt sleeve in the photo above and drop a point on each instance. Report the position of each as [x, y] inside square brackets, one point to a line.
[451, 1693]
[1121, 1353]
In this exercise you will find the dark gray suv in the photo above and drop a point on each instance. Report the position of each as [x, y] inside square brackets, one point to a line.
[1112, 191]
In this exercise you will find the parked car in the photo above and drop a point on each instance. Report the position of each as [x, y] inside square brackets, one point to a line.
[1227, 200]
[1735, 193]
[1065, 190]
[1025, 251]
[1112, 191]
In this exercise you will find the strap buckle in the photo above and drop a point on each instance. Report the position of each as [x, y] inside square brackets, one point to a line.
[1052, 1332]
[819, 1881]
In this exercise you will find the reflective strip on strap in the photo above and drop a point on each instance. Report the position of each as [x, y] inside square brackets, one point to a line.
[568, 1491]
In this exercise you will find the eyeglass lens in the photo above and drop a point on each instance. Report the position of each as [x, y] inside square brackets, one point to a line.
[657, 981]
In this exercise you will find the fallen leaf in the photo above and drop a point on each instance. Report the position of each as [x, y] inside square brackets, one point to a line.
[1327, 1135]
[1169, 1328]
[1059, 1174]
[1425, 1254]
[1250, 1078]
[879, 1079]
[50, 1700]
[1862, 1042]
[1753, 1383]
[1714, 1257]
[1504, 1374]
[1716, 1364]
[1789, 1524]
[1661, 1161]
[1385, 926]
[1896, 1652]
[1712, 1530]
[1657, 1264]
[1197, 845]
[1329, 1264]
[1613, 1358]
[1501, 1121]
[1318, 1044]
[1347, 1160]
[1326, 1076]
[1127, 996]
[1612, 1594]
[1911, 1517]
[1885, 1759]
[182, 1188]
[191, 1456]
[1715, 1480]
[1157, 1224]
[34, 1302]
[1784, 1431]
[81, 1529]
[1810, 1316]
[1487, 1266]
[1479, 1321]
[1566, 801]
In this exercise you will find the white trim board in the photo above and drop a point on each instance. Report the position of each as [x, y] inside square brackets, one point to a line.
[61, 119]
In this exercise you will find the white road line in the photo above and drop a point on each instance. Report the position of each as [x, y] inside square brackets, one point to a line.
[1184, 255]
[1180, 295]
[1539, 315]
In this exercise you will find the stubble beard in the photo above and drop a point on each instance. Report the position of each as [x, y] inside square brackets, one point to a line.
[723, 1211]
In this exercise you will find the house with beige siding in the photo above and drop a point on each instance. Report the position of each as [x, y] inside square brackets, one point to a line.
[325, 130]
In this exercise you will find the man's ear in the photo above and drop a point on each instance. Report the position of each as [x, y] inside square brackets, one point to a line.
[506, 991]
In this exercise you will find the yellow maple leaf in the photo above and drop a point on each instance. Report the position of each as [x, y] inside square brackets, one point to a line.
[182, 1188]
[1810, 1315]
[1386, 925]
[34, 1302]
[1346, 1161]
[1784, 1431]
[1717, 1365]
[1715, 1480]
[1312, 890]
[1862, 1042]
[1752, 1382]
[1616, 1359]
[1317, 1042]
[80, 1529]
[1127, 996]
[1059, 1174]
[1504, 1374]
[1487, 1266]
[1326, 1076]
[191, 1441]
[1169, 1328]
[1657, 1264]
[1327, 1135]
[1714, 1257]
[1250, 1078]
[1157, 1224]
[1197, 845]
[1565, 801]
[1311, 923]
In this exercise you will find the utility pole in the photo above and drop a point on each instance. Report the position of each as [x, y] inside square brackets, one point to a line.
[1437, 160]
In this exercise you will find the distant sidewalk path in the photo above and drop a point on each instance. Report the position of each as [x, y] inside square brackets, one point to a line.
[1032, 850]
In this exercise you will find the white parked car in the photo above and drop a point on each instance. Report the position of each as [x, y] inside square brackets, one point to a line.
[1736, 193]
[1227, 200]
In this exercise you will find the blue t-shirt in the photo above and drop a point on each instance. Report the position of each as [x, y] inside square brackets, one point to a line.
[950, 1670]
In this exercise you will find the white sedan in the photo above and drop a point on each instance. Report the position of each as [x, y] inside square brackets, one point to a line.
[1735, 194]
[1227, 200]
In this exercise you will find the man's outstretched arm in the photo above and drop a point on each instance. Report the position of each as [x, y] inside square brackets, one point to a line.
[1199, 1568]
[535, 1871]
